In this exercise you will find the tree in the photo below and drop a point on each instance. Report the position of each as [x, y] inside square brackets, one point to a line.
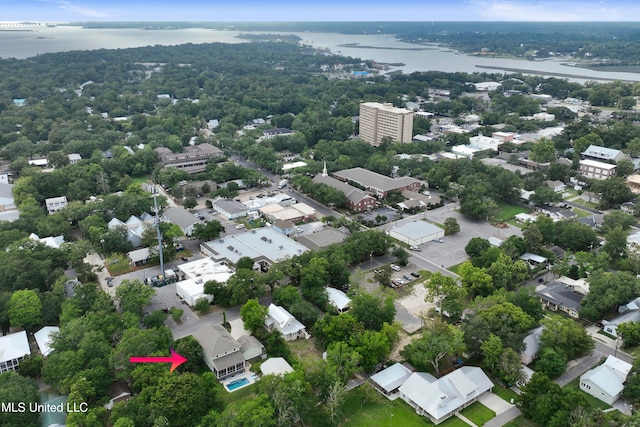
[551, 362]
[507, 274]
[133, 296]
[190, 203]
[615, 219]
[253, 315]
[208, 231]
[433, 346]
[492, 349]
[344, 360]
[606, 291]
[566, 336]
[628, 331]
[447, 294]
[245, 263]
[451, 226]
[510, 367]
[545, 194]
[383, 275]
[155, 319]
[372, 311]
[184, 399]
[401, 255]
[202, 306]
[286, 296]
[624, 168]
[614, 191]
[615, 243]
[476, 246]
[543, 151]
[335, 399]
[16, 389]
[25, 309]
[176, 313]
[475, 280]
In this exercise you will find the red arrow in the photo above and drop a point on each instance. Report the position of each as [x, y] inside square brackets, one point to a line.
[175, 359]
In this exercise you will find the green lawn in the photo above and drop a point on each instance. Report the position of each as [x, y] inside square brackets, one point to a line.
[581, 213]
[454, 268]
[365, 407]
[507, 211]
[478, 413]
[306, 352]
[521, 421]
[244, 393]
[505, 393]
[593, 402]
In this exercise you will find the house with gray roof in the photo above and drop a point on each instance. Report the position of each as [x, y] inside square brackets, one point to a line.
[559, 296]
[611, 326]
[230, 209]
[220, 351]
[251, 348]
[322, 239]
[531, 345]
[182, 218]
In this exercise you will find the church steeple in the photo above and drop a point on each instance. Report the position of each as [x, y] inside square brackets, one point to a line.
[324, 169]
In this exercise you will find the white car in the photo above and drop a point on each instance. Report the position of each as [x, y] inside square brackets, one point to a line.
[395, 267]
[240, 226]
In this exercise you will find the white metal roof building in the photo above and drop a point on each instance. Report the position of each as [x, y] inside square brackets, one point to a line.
[275, 366]
[338, 299]
[43, 338]
[417, 232]
[442, 398]
[13, 348]
[198, 273]
[606, 381]
[389, 380]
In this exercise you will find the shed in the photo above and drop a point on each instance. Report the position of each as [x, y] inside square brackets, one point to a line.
[275, 366]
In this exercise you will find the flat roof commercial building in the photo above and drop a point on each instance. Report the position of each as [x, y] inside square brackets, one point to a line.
[193, 159]
[263, 245]
[384, 120]
[416, 233]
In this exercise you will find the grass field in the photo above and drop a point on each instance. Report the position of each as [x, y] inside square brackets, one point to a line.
[581, 213]
[521, 422]
[365, 407]
[507, 211]
[478, 413]
[306, 352]
[505, 393]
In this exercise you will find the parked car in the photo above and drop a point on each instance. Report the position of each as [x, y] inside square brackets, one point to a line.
[416, 248]
[240, 226]
[415, 274]
[408, 277]
[110, 282]
[439, 240]
[398, 281]
[395, 267]
[184, 258]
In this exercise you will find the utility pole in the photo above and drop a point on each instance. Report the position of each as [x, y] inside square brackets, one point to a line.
[157, 221]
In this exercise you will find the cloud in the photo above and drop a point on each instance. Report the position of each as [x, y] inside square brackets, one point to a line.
[78, 9]
[558, 11]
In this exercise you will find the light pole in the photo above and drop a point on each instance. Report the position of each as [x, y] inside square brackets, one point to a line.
[390, 418]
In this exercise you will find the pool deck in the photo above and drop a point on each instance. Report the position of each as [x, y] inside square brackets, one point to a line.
[249, 376]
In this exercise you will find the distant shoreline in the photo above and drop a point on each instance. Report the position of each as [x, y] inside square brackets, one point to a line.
[360, 46]
[549, 73]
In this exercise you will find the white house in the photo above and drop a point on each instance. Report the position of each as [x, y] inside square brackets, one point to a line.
[43, 338]
[338, 299]
[606, 382]
[446, 396]
[611, 326]
[13, 348]
[280, 319]
[54, 204]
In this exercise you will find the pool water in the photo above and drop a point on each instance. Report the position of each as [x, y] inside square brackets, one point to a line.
[237, 384]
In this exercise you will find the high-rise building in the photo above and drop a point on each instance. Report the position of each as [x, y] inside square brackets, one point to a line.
[380, 120]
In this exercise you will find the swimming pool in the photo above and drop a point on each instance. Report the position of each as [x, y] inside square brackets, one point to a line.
[234, 385]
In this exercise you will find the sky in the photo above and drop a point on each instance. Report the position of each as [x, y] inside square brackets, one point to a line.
[327, 10]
